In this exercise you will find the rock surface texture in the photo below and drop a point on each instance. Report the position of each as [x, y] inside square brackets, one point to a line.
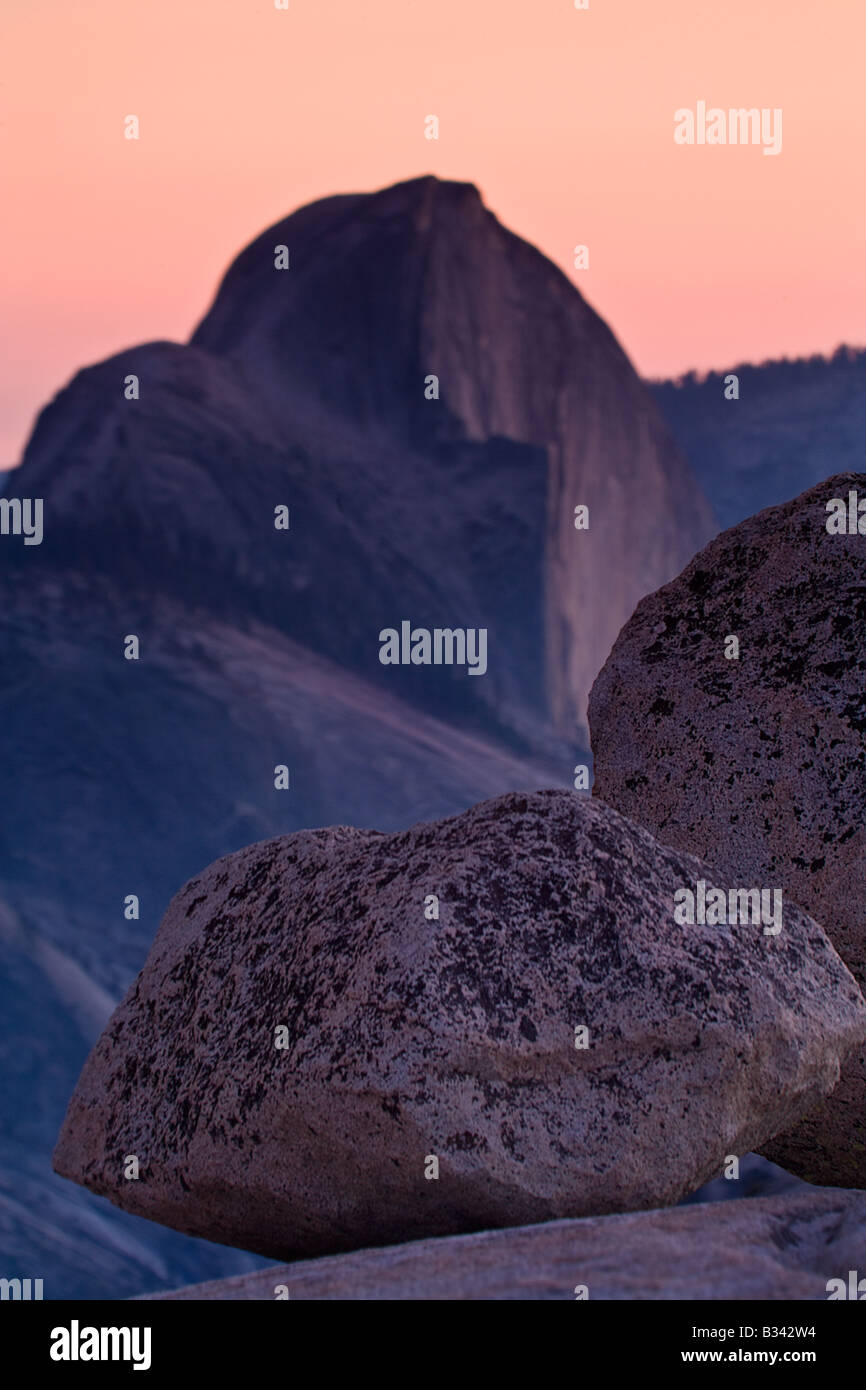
[757, 764]
[763, 1248]
[413, 1040]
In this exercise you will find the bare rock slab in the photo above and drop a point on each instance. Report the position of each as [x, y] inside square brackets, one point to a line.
[758, 764]
[784, 1247]
[552, 1044]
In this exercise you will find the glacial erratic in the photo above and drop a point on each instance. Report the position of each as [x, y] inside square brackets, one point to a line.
[345, 1038]
[756, 764]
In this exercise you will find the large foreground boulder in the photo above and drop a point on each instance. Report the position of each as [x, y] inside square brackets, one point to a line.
[551, 1044]
[757, 763]
[801, 1246]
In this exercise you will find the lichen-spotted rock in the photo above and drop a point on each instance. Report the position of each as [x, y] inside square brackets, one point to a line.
[758, 764]
[416, 1041]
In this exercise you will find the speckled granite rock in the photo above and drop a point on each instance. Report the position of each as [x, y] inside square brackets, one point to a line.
[413, 1038]
[757, 764]
[788, 1246]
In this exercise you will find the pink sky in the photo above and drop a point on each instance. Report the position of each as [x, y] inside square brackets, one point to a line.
[699, 256]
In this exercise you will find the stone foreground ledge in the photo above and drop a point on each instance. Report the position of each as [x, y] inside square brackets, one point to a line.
[782, 1247]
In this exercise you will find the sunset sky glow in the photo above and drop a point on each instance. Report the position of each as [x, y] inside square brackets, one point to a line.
[699, 256]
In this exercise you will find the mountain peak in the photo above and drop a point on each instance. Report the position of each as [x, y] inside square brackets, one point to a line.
[361, 298]
[338, 295]
[431, 386]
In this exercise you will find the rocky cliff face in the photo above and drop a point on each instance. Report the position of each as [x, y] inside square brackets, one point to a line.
[386, 289]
